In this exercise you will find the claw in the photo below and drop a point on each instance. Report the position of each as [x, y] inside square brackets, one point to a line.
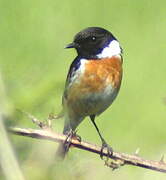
[76, 136]
[71, 135]
[109, 150]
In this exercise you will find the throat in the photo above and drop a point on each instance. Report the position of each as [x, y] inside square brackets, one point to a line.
[111, 50]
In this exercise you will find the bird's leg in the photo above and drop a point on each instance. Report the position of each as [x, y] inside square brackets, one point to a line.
[71, 135]
[104, 144]
[109, 149]
[67, 141]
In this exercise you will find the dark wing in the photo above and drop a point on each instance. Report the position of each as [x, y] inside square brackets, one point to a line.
[73, 68]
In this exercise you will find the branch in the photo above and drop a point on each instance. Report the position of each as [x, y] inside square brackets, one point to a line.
[119, 159]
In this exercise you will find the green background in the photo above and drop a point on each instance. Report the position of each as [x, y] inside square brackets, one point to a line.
[34, 64]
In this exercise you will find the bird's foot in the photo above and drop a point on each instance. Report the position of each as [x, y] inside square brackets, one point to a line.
[69, 136]
[109, 151]
[76, 136]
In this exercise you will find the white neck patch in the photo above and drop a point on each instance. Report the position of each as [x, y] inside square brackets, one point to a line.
[112, 49]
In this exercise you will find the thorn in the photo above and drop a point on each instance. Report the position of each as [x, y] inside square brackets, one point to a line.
[137, 151]
[162, 159]
[33, 119]
[49, 123]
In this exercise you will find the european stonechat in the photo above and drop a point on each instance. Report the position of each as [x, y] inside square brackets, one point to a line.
[93, 80]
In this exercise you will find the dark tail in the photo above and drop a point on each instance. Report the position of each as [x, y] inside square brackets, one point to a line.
[61, 151]
[63, 148]
[69, 125]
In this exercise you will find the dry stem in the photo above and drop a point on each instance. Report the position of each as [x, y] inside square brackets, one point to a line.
[119, 158]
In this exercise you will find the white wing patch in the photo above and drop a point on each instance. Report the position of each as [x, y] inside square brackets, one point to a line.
[112, 49]
[80, 71]
[82, 66]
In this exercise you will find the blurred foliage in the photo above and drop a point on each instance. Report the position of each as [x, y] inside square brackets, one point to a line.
[34, 65]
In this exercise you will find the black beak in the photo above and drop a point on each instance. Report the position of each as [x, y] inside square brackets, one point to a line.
[71, 45]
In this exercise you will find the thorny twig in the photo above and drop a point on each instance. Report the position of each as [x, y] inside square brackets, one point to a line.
[117, 159]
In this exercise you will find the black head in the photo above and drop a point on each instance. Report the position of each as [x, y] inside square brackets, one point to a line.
[91, 41]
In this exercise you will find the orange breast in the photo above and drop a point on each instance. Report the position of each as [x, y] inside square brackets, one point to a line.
[84, 95]
[101, 73]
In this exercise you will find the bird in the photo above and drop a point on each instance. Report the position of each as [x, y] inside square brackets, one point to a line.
[92, 83]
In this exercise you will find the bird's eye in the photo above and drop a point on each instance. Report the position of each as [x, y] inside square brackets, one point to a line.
[93, 38]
